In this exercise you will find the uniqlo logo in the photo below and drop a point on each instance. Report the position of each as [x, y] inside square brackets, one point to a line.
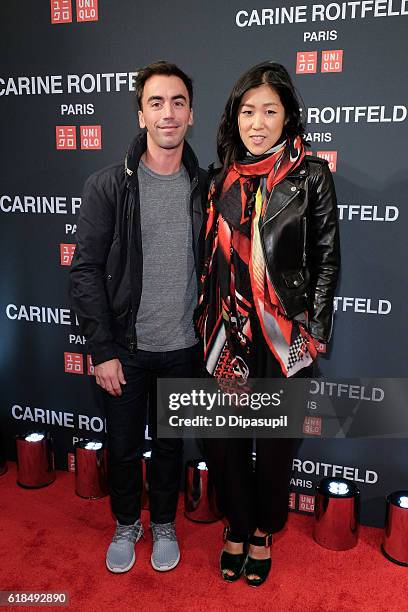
[65, 137]
[87, 10]
[306, 62]
[332, 61]
[292, 501]
[73, 363]
[67, 253]
[312, 426]
[331, 157]
[306, 503]
[90, 366]
[91, 137]
[71, 462]
[61, 11]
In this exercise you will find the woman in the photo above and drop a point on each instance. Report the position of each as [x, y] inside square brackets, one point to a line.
[266, 304]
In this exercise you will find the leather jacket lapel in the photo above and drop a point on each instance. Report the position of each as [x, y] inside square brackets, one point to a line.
[281, 196]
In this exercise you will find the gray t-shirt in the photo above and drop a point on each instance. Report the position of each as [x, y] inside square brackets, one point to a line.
[169, 291]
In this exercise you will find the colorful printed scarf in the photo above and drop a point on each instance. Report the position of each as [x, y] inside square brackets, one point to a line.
[236, 293]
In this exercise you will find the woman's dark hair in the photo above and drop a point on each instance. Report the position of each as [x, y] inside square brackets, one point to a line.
[229, 144]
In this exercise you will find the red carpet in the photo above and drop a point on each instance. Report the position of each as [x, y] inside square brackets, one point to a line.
[52, 540]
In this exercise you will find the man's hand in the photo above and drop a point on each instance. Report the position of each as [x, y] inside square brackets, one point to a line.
[109, 376]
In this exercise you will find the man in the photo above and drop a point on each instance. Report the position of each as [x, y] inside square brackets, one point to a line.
[134, 283]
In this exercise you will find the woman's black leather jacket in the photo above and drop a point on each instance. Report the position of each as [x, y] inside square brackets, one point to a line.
[300, 240]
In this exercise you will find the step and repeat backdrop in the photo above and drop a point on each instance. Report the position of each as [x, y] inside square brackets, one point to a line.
[67, 108]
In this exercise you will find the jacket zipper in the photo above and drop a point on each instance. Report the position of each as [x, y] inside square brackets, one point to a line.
[263, 246]
[270, 278]
[194, 184]
[132, 343]
[304, 241]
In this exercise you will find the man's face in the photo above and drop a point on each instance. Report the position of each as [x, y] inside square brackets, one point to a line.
[166, 112]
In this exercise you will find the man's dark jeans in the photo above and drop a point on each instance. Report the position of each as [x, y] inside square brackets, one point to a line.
[126, 418]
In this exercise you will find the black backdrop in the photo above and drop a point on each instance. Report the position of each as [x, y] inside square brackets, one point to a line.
[348, 60]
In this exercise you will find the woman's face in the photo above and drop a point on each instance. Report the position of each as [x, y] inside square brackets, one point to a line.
[261, 117]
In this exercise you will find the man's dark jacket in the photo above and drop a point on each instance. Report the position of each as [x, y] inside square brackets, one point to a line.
[107, 268]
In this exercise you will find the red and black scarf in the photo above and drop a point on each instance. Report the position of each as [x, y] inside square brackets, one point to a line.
[235, 286]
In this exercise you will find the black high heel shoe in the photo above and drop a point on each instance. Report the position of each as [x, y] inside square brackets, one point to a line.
[229, 561]
[258, 567]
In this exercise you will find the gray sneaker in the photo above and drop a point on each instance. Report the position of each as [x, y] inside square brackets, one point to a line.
[121, 552]
[166, 552]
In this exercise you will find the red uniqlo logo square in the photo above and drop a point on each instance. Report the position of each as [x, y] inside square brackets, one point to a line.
[91, 137]
[306, 62]
[65, 137]
[73, 363]
[331, 157]
[312, 426]
[71, 462]
[332, 61]
[61, 11]
[292, 501]
[90, 366]
[306, 503]
[67, 253]
[87, 10]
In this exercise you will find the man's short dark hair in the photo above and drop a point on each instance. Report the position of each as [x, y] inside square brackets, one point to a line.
[161, 67]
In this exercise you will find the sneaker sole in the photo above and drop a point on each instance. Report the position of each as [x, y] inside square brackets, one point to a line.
[120, 570]
[166, 568]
